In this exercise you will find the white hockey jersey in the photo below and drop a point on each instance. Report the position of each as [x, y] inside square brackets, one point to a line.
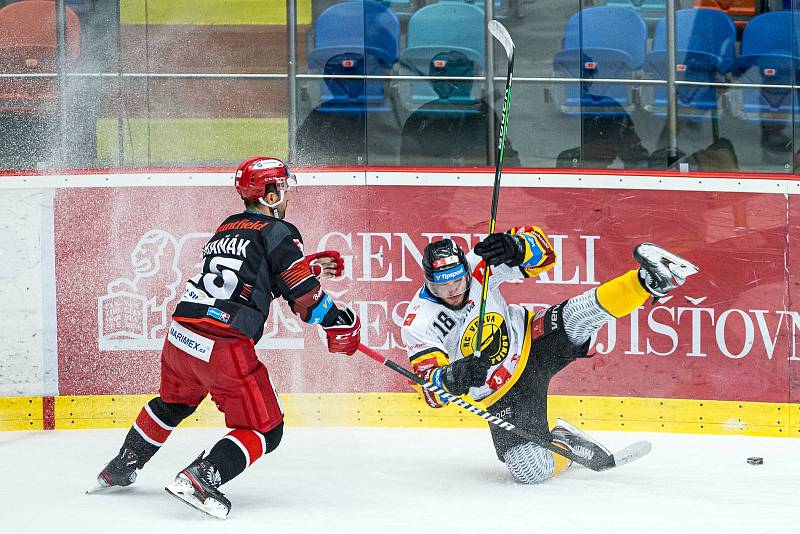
[435, 335]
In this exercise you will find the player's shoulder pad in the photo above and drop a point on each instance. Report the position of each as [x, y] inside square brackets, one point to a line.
[421, 311]
[279, 230]
[477, 266]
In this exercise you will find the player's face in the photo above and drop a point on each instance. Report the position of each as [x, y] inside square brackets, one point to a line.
[451, 292]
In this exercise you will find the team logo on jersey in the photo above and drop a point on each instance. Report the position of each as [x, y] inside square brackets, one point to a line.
[494, 341]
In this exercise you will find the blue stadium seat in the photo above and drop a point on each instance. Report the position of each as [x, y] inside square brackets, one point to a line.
[444, 39]
[357, 37]
[704, 42]
[612, 46]
[769, 56]
[651, 10]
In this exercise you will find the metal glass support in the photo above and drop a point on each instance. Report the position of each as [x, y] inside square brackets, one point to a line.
[61, 62]
[672, 95]
[488, 9]
[291, 62]
[119, 87]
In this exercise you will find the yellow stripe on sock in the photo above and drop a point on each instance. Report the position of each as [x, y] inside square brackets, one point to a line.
[561, 463]
[623, 294]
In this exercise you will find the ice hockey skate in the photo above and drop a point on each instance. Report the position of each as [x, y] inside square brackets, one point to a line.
[662, 271]
[577, 441]
[197, 486]
[120, 471]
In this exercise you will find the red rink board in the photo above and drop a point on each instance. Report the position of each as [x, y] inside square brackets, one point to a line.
[122, 256]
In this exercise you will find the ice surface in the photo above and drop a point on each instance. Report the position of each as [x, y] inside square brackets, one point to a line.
[375, 480]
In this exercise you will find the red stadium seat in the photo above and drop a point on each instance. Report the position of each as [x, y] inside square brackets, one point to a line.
[28, 46]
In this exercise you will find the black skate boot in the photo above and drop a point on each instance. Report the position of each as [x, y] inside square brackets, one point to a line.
[197, 486]
[577, 441]
[121, 471]
[661, 271]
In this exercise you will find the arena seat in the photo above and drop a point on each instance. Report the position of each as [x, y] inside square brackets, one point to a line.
[502, 8]
[769, 56]
[704, 42]
[741, 11]
[612, 46]
[360, 37]
[445, 39]
[28, 46]
[651, 10]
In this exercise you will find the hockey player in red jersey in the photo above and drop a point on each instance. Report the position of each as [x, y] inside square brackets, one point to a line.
[520, 350]
[253, 257]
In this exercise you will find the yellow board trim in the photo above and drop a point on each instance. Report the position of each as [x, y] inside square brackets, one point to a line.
[410, 411]
[164, 141]
[211, 12]
[21, 413]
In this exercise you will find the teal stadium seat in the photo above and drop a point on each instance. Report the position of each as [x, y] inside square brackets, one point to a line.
[444, 39]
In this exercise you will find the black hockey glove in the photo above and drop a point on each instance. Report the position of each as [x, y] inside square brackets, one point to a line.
[469, 372]
[502, 248]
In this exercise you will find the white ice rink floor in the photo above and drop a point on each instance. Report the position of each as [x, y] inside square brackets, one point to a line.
[375, 480]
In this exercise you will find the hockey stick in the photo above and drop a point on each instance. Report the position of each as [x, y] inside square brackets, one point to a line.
[599, 462]
[501, 34]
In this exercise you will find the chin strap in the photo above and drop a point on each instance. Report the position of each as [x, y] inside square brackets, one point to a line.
[273, 207]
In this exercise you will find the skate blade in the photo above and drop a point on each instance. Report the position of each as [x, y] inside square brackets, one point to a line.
[100, 489]
[680, 267]
[578, 432]
[183, 490]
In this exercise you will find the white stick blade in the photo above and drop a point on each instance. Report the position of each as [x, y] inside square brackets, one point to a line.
[501, 34]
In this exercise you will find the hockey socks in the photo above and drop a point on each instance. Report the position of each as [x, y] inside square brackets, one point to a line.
[623, 294]
[153, 426]
[240, 448]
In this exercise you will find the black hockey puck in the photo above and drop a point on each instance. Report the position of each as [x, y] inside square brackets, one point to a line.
[755, 460]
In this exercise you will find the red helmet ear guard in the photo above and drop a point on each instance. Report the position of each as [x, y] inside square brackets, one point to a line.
[255, 174]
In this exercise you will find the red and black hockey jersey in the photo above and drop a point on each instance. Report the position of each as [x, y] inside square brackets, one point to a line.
[252, 259]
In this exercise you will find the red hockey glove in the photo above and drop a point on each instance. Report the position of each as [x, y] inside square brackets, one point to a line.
[326, 264]
[345, 335]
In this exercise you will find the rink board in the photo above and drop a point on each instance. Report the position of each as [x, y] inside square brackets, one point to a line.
[721, 355]
[408, 410]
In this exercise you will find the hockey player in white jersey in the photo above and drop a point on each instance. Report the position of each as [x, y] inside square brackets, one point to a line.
[520, 350]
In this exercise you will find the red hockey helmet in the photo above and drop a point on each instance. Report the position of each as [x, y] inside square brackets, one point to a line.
[254, 175]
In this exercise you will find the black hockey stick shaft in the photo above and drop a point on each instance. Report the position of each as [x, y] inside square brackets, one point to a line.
[599, 463]
[501, 34]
